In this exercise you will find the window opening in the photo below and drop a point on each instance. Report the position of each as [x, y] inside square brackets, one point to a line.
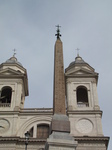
[31, 132]
[5, 97]
[42, 131]
[82, 97]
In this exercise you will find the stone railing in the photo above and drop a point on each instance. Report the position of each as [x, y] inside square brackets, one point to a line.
[5, 104]
[82, 104]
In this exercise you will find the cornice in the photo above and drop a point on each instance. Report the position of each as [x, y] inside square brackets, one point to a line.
[32, 111]
[79, 64]
[47, 111]
[12, 64]
[92, 139]
[84, 112]
[82, 75]
[76, 138]
[19, 139]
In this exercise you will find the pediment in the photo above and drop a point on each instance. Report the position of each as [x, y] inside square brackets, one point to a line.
[81, 72]
[9, 71]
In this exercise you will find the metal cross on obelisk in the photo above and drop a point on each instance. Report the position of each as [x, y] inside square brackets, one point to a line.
[58, 32]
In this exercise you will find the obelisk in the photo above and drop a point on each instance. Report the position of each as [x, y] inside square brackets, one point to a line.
[60, 126]
[59, 80]
[60, 121]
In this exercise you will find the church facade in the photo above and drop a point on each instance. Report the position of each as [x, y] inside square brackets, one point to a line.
[82, 109]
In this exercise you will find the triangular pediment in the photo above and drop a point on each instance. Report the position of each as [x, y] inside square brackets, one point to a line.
[9, 71]
[79, 72]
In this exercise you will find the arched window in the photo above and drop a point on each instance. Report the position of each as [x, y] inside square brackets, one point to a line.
[42, 131]
[6, 94]
[82, 96]
[31, 132]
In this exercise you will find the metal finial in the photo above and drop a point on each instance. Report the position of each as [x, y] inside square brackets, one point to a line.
[77, 52]
[58, 32]
[14, 52]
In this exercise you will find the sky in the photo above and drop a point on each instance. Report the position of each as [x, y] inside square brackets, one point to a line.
[29, 27]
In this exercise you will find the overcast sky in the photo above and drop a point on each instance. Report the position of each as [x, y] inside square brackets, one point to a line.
[29, 27]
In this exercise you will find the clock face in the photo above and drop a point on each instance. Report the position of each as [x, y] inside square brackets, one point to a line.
[84, 126]
[4, 125]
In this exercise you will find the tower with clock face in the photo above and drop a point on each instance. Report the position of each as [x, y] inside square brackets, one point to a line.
[82, 104]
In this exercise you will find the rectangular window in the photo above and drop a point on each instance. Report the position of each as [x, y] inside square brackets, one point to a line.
[42, 131]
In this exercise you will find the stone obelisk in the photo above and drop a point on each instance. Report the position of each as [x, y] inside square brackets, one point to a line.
[59, 81]
[60, 121]
[60, 126]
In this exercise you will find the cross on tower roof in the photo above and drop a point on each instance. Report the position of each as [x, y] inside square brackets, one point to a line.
[58, 32]
[14, 52]
[77, 51]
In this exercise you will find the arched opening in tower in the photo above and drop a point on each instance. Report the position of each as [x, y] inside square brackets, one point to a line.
[6, 94]
[82, 96]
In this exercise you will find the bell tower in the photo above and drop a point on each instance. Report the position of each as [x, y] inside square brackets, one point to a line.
[13, 85]
[81, 80]
[82, 105]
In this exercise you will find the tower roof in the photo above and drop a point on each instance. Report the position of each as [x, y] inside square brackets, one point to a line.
[79, 60]
[80, 68]
[13, 60]
[14, 64]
